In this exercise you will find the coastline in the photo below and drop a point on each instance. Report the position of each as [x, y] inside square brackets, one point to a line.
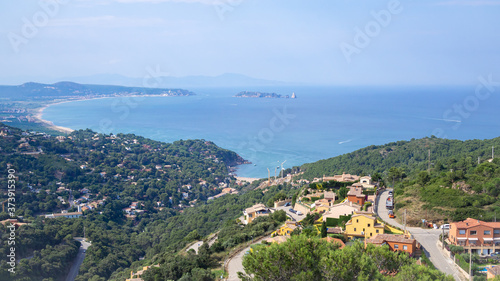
[38, 112]
[49, 124]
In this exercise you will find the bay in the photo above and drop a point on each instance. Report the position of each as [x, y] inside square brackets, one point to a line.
[322, 122]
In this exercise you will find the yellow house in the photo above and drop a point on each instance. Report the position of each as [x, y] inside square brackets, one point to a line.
[287, 228]
[255, 211]
[364, 225]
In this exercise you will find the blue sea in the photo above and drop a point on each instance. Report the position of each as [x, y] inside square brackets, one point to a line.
[321, 123]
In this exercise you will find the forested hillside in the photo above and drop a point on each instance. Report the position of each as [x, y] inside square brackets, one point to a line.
[170, 183]
[412, 156]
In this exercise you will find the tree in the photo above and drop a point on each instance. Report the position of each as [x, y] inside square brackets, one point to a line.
[323, 229]
[423, 178]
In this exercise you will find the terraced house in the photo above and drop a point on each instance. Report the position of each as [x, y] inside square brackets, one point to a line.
[477, 236]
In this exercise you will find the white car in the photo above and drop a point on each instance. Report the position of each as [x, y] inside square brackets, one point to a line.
[299, 213]
[445, 226]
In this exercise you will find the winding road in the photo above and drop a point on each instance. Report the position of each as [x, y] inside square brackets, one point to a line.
[428, 238]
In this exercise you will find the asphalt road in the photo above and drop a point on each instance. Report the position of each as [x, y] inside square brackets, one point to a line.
[198, 244]
[428, 238]
[73, 272]
[295, 217]
[235, 264]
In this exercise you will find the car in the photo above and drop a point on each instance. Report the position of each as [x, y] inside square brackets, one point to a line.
[391, 214]
[390, 192]
[299, 213]
[84, 251]
[287, 204]
[292, 210]
[445, 226]
[495, 254]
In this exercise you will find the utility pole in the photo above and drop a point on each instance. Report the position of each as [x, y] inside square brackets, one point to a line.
[492, 152]
[442, 234]
[429, 165]
[269, 177]
[479, 160]
[470, 264]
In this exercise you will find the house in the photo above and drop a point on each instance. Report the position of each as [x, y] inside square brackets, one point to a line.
[335, 241]
[321, 206]
[287, 228]
[363, 224]
[330, 197]
[492, 272]
[355, 195]
[70, 215]
[341, 209]
[478, 236]
[277, 239]
[137, 276]
[396, 242]
[257, 210]
[366, 182]
[342, 178]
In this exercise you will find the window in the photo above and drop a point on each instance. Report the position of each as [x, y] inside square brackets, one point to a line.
[396, 246]
[473, 232]
[461, 231]
[368, 225]
[405, 247]
[487, 232]
[377, 231]
[357, 220]
[496, 231]
[354, 229]
[371, 234]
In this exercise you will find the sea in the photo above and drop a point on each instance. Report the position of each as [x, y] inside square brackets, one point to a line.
[322, 122]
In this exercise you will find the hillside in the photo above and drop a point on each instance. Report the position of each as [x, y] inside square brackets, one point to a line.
[412, 156]
[168, 185]
[463, 181]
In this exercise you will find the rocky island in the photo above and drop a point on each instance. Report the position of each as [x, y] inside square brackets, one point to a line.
[248, 94]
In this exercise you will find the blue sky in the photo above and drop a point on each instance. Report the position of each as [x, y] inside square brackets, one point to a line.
[423, 42]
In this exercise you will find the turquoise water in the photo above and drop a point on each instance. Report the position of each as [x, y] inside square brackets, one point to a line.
[322, 122]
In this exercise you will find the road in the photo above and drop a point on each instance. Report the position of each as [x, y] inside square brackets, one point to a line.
[73, 272]
[294, 217]
[235, 264]
[198, 244]
[428, 238]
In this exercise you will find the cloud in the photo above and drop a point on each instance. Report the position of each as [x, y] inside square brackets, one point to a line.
[468, 3]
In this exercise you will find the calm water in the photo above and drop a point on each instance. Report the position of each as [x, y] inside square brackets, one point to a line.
[322, 122]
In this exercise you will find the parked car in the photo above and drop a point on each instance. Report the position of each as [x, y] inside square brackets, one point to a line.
[287, 204]
[292, 210]
[299, 213]
[390, 192]
[445, 226]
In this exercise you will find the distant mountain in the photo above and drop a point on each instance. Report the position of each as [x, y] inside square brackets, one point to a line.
[40, 91]
[224, 80]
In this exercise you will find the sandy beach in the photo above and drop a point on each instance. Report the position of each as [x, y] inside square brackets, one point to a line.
[250, 180]
[38, 115]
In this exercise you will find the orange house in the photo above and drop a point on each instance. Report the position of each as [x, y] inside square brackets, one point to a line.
[396, 242]
[355, 195]
[479, 236]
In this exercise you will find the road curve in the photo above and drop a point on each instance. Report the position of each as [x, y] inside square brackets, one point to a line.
[428, 238]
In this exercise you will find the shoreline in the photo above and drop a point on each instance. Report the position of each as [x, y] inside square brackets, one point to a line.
[38, 112]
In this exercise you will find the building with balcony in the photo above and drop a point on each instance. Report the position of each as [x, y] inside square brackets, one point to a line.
[257, 210]
[477, 236]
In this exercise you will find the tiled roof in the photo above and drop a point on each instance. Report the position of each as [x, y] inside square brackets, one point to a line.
[335, 240]
[494, 270]
[468, 223]
[381, 238]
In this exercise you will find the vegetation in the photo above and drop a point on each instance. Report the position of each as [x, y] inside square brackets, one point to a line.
[307, 258]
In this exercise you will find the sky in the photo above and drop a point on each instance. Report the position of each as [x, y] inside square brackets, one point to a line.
[320, 42]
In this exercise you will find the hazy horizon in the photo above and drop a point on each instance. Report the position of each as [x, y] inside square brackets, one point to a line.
[314, 43]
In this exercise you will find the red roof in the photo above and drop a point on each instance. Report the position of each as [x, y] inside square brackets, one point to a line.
[469, 223]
